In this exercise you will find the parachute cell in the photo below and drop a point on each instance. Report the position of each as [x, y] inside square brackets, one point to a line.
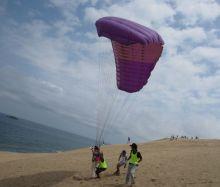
[136, 49]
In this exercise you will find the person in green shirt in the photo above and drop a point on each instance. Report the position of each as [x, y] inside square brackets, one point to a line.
[102, 166]
[133, 160]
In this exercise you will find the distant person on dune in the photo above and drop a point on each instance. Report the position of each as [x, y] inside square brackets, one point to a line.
[129, 140]
[122, 160]
[134, 159]
[102, 166]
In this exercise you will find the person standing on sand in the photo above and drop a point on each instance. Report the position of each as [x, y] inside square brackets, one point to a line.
[134, 159]
[95, 159]
[129, 140]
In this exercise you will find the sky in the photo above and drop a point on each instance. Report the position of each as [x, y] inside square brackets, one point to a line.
[55, 70]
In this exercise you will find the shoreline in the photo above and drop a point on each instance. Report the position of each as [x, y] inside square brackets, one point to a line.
[151, 141]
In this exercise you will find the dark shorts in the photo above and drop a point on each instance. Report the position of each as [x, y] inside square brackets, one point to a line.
[99, 170]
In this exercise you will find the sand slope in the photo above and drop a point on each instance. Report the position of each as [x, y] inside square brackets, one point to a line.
[165, 163]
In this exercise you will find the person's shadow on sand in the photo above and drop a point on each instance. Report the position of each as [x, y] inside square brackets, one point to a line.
[116, 185]
[44, 179]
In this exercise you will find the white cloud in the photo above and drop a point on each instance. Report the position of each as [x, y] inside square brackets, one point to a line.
[184, 39]
[144, 12]
[67, 5]
[208, 54]
[198, 11]
[8, 94]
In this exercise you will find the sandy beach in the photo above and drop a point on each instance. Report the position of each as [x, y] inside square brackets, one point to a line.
[165, 163]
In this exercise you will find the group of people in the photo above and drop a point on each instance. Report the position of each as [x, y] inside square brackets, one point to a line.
[183, 138]
[99, 164]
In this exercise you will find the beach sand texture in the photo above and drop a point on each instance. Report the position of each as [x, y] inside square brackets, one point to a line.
[165, 163]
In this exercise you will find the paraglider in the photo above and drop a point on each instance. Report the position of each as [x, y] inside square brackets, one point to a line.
[136, 49]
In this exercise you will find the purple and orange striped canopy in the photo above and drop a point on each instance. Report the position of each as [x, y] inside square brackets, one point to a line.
[136, 49]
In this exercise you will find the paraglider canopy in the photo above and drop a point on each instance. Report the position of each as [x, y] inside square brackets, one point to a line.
[136, 49]
[126, 32]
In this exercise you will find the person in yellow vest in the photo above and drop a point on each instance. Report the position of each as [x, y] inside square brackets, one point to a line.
[102, 166]
[133, 160]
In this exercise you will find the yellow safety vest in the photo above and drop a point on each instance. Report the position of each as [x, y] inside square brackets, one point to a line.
[134, 159]
[103, 164]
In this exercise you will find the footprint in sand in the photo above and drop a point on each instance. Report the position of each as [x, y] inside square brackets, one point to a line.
[77, 177]
[153, 180]
[80, 178]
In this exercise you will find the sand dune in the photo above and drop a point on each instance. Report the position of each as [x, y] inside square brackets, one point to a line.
[165, 163]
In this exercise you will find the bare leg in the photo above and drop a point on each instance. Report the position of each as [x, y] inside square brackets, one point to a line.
[93, 167]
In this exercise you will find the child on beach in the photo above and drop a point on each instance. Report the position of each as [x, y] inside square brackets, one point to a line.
[121, 162]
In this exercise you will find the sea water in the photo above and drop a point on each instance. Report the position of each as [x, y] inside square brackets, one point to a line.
[19, 135]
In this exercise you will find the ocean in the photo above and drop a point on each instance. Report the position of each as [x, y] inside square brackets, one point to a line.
[19, 135]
